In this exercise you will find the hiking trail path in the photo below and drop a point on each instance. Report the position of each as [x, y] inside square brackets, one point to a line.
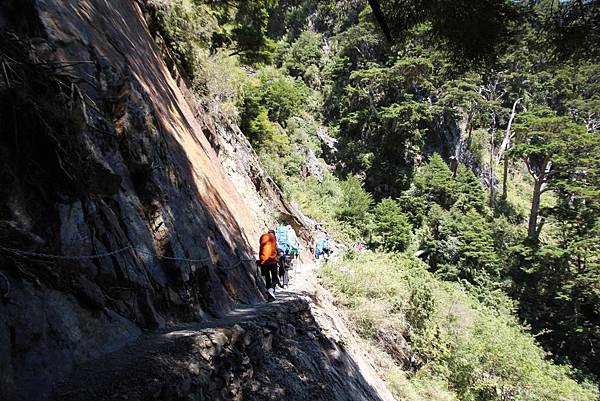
[313, 339]
[333, 322]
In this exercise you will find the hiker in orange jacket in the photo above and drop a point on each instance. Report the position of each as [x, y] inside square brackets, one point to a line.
[268, 261]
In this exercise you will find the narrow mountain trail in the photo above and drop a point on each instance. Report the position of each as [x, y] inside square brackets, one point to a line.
[333, 323]
[270, 351]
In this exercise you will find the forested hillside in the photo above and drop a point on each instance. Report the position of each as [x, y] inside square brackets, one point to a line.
[465, 134]
[450, 149]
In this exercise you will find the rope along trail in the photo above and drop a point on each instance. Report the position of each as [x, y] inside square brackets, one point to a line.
[20, 252]
[40, 255]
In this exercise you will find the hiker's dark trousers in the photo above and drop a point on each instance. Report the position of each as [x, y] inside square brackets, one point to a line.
[269, 271]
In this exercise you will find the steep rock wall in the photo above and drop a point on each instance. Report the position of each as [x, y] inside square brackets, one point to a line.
[241, 162]
[109, 157]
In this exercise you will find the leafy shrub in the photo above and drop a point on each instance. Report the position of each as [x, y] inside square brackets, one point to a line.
[267, 135]
[469, 351]
[224, 78]
[319, 200]
[461, 245]
[188, 27]
[303, 55]
[281, 95]
[312, 76]
[342, 206]
[479, 146]
[302, 132]
[274, 165]
[274, 117]
[354, 205]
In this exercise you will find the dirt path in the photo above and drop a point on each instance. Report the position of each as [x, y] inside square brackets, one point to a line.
[332, 321]
[297, 348]
[266, 352]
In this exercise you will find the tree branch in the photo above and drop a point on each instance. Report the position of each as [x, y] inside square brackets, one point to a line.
[376, 7]
[530, 169]
[507, 136]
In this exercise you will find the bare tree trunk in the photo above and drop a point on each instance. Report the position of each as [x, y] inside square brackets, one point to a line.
[469, 136]
[492, 169]
[507, 136]
[505, 179]
[453, 166]
[371, 102]
[532, 230]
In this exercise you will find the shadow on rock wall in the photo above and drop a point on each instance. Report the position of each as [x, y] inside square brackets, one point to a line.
[101, 153]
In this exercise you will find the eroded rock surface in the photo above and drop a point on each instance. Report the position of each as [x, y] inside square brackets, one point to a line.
[102, 152]
[267, 352]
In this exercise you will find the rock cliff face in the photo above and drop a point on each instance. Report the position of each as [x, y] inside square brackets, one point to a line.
[251, 180]
[105, 153]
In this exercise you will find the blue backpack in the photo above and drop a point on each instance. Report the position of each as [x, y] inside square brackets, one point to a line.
[320, 247]
[287, 241]
[282, 236]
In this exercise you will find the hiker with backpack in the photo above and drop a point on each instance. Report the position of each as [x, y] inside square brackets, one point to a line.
[268, 261]
[288, 249]
[282, 264]
[322, 248]
[294, 243]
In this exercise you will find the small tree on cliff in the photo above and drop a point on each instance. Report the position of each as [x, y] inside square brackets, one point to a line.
[556, 152]
[243, 26]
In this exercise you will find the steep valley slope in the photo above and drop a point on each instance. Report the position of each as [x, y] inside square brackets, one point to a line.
[127, 212]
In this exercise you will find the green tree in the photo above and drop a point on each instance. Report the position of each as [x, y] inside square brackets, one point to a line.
[573, 28]
[557, 286]
[304, 53]
[413, 206]
[472, 31]
[470, 193]
[556, 152]
[243, 27]
[265, 134]
[461, 246]
[384, 113]
[281, 96]
[391, 226]
[465, 101]
[435, 183]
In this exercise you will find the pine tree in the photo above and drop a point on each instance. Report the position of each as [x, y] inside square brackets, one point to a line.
[435, 183]
[555, 151]
[469, 190]
[391, 226]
